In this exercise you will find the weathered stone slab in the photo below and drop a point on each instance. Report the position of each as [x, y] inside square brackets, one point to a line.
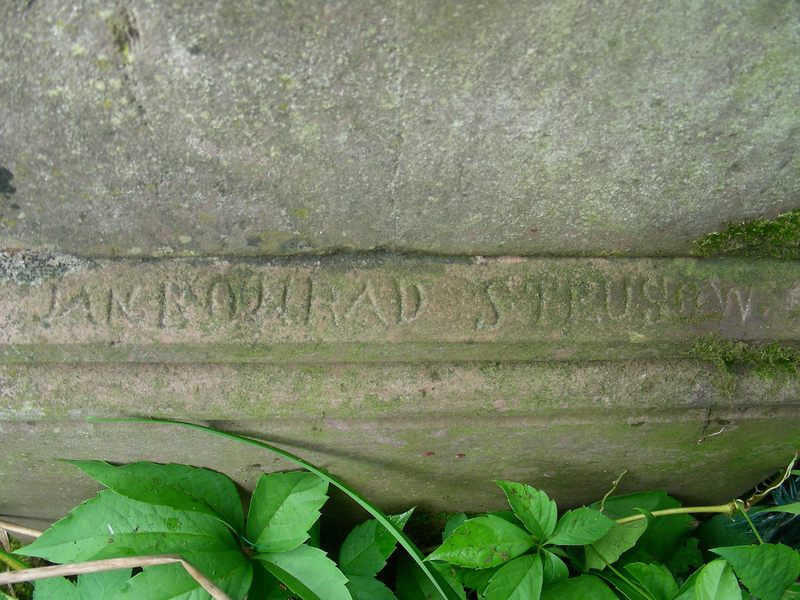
[349, 310]
[252, 128]
[432, 435]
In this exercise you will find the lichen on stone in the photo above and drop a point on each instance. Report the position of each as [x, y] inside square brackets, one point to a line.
[762, 238]
[30, 267]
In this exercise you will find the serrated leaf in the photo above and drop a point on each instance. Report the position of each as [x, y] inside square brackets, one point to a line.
[716, 581]
[686, 557]
[664, 534]
[283, 508]
[230, 570]
[580, 527]
[553, 568]
[619, 539]
[110, 526]
[453, 523]
[178, 486]
[55, 588]
[266, 587]
[483, 542]
[582, 587]
[532, 507]
[103, 585]
[654, 578]
[368, 588]
[367, 547]
[477, 579]
[519, 579]
[413, 584]
[793, 508]
[767, 570]
[308, 572]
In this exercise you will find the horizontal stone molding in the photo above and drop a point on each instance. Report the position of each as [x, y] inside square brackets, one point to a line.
[392, 309]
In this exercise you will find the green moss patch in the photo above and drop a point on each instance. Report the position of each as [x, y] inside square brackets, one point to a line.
[762, 238]
[767, 360]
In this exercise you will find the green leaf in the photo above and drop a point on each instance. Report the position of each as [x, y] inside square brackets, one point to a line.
[103, 585]
[664, 534]
[367, 547]
[580, 527]
[266, 587]
[55, 588]
[583, 587]
[477, 579]
[532, 507]
[453, 523]
[110, 525]
[368, 588]
[483, 542]
[308, 572]
[520, 579]
[230, 570]
[716, 581]
[553, 568]
[766, 569]
[283, 508]
[414, 552]
[793, 593]
[620, 538]
[686, 557]
[412, 583]
[656, 579]
[793, 508]
[178, 486]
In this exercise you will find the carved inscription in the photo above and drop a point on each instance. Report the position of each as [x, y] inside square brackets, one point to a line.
[631, 299]
[527, 300]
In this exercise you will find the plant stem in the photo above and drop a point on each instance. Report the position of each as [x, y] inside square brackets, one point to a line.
[725, 509]
[12, 562]
[741, 506]
[19, 529]
[110, 564]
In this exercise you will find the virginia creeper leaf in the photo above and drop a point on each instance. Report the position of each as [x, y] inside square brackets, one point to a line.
[519, 579]
[103, 585]
[413, 584]
[283, 508]
[179, 486]
[110, 526]
[580, 527]
[532, 507]
[582, 587]
[767, 570]
[656, 579]
[716, 581]
[308, 572]
[613, 544]
[230, 570]
[367, 547]
[368, 588]
[453, 523]
[553, 568]
[483, 542]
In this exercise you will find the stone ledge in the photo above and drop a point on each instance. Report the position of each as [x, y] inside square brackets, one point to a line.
[393, 309]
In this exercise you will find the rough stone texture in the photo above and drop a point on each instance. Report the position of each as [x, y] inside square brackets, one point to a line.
[247, 128]
[163, 163]
[340, 310]
[434, 435]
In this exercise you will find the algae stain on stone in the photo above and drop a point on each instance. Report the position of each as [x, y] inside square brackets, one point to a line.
[762, 238]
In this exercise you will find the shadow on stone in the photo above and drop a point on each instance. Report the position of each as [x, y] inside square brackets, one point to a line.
[6, 189]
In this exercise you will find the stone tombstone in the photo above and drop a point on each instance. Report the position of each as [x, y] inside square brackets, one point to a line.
[426, 245]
